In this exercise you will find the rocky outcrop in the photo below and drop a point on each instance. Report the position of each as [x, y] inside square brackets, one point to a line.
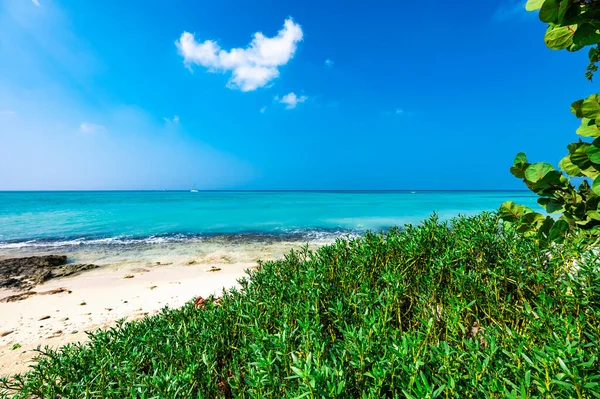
[25, 273]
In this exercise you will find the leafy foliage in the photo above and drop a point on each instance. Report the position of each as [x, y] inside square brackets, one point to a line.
[573, 25]
[452, 310]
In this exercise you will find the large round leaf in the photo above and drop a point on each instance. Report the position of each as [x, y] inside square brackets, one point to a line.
[511, 212]
[569, 167]
[558, 38]
[562, 10]
[576, 108]
[559, 231]
[596, 186]
[586, 34]
[549, 11]
[554, 206]
[520, 158]
[591, 106]
[594, 215]
[593, 152]
[533, 5]
[537, 171]
[588, 128]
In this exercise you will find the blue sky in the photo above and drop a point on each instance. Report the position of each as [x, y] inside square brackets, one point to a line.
[278, 94]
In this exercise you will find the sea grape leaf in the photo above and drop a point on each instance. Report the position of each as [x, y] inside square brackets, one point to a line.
[588, 128]
[537, 171]
[594, 215]
[576, 108]
[593, 152]
[562, 10]
[533, 219]
[512, 212]
[520, 158]
[591, 172]
[559, 231]
[549, 11]
[555, 207]
[520, 164]
[591, 106]
[586, 34]
[569, 167]
[561, 37]
[596, 186]
[533, 5]
[544, 229]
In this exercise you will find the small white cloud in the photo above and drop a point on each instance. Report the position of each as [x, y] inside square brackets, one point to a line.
[397, 111]
[263, 110]
[87, 127]
[291, 100]
[7, 112]
[36, 2]
[329, 63]
[512, 9]
[173, 120]
[252, 67]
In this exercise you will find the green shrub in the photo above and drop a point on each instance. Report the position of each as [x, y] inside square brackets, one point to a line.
[450, 310]
[572, 25]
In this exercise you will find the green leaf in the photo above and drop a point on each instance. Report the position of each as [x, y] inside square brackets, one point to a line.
[562, 10]
[533, 218]
[511, 212]
[537, 171]
[591, 172]
[596, 186]
[544, 229]
[559, 231]
[549, 11]
[533, 5]
[555, 207]
[586, 34]
[593, 152]
[594, 215]
[569, 167]
[559, 38]
[576, 108]
[520, 158]
[588, 128]
[591, 106]
[520, 164]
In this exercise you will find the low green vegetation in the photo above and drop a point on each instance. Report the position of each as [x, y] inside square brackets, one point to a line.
[449, 310]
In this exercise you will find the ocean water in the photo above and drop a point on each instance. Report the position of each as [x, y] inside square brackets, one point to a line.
[62, 219]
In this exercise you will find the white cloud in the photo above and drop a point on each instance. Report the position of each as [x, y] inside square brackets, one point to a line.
[173, 120]
[512, 9]
[252, 67]
[36, 2]
[263, 110]
[329, 63]
[87, 127]
[291, 100]
[7, 112]
[399, 111]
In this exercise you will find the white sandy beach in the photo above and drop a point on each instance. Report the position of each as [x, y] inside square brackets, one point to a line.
[129, 287]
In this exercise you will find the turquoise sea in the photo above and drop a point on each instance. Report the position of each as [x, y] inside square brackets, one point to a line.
[45, 219]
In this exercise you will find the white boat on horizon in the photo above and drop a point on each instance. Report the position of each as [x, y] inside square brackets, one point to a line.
[193, 191]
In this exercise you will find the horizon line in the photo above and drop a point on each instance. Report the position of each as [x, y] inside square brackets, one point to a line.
[266, 190]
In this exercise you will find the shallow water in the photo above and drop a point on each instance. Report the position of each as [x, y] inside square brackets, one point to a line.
[110, 227]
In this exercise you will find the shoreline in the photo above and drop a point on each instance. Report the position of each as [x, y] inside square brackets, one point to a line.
[128, 285]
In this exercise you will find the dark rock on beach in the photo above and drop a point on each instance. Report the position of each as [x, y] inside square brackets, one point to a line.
[26, 273]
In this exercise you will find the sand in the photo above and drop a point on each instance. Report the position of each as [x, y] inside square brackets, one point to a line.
[99, 298]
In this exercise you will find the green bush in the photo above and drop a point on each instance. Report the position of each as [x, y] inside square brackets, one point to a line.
[450, 310]
[572, 25]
